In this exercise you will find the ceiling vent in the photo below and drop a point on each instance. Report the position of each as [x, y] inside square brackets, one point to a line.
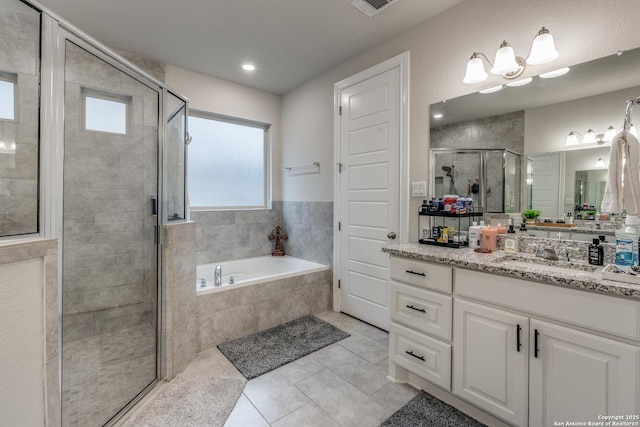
[371, 7]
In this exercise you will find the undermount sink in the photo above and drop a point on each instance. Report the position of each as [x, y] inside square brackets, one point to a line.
[564, 267]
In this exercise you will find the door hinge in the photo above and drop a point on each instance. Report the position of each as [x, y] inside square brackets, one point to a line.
[340, 110]
[339, 226]
[339, 167]
[339, 286]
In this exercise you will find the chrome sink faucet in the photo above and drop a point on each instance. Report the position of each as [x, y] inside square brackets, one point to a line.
[546, 252]
[217, 276]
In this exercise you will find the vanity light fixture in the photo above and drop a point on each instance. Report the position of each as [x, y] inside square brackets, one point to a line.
[506, 62]
[572, 139]
[437, 116]
[589, 137]
[609, 134]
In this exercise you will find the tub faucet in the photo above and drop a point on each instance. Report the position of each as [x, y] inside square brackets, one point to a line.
[217, 276]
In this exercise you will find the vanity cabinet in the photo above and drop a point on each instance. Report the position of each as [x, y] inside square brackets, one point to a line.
[420, 330]
[490, 360]
[577, 376]
[513, 361]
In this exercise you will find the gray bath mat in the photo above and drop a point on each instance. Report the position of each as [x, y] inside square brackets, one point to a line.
[191, 402]
[265, 351]
[424, 410]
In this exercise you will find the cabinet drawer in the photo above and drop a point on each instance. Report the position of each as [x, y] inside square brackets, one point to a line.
[423, 310]
[420, 273]
[424, 356]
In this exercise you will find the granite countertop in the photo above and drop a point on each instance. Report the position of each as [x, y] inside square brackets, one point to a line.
[498, 263]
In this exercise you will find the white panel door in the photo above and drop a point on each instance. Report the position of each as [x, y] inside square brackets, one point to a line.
[580, 376]
[369, 193]
[490, 360]
[546, 184]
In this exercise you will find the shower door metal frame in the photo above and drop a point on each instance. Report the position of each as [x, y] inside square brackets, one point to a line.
[483, 169]
[55, 31]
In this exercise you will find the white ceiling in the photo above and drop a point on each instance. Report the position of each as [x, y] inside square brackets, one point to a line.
[289, 41]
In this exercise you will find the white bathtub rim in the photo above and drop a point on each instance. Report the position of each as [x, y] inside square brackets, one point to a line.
[268, 278]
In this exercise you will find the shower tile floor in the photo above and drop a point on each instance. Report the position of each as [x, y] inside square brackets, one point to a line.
[343, 384]
[103, 373]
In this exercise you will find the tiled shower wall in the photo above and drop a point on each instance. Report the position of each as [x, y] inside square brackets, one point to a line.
[19, 138]
[227, 235]
[504, 131]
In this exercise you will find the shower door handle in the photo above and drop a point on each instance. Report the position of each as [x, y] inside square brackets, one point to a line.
[154, 206]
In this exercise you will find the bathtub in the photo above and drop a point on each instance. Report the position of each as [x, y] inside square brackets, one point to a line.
[252, 271]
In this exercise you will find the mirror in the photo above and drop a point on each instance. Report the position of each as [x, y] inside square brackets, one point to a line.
[591, 95]
[588, 192]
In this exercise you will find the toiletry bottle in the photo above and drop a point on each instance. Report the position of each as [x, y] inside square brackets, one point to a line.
[626, 243]
[475, 233]
[510, 241]
[596, 253]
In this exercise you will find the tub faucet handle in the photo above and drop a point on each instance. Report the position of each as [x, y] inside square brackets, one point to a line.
[217, 276]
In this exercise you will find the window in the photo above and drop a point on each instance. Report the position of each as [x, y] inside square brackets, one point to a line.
[106, 112]
[8, 95]
[228, 162]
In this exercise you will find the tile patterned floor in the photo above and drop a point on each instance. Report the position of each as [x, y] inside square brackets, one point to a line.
[103, 373]
[343, 384]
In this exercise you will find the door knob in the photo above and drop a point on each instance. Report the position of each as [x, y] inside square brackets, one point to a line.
[392, 235]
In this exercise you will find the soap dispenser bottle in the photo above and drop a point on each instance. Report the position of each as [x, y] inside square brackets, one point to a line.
[596, 253]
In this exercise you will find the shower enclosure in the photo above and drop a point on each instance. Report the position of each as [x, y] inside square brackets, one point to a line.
[96, 160]
[490, 177]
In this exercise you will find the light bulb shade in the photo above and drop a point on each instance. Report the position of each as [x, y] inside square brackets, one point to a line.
[609, 134]
[475, 71]
[589, 137]
[632, 130]
[505, 61]
[543, 49]
[572, 139]
[600, 163]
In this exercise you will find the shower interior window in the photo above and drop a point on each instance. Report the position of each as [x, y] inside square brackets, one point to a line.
[104, 112]
[8, 83]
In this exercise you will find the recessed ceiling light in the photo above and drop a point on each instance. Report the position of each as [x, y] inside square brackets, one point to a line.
[555, 73]
[248, 67]
[520, 82]
[437, 116]
[491, 89]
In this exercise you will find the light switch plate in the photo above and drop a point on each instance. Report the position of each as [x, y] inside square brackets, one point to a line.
[419, 189]
[568, 201]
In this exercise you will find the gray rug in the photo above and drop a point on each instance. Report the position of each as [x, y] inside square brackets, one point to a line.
[424, 410]
[265, 351]
[191, 402]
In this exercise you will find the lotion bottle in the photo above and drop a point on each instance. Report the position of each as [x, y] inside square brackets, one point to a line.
[475, 234]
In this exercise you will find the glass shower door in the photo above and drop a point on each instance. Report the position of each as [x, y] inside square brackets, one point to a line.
[109, 274]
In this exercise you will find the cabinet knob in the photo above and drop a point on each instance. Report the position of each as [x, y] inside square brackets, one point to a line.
[392, 235]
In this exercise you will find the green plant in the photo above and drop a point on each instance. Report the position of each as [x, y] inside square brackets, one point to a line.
[531, 213]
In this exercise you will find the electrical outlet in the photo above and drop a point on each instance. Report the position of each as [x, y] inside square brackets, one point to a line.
[419, 189]
[568, 201]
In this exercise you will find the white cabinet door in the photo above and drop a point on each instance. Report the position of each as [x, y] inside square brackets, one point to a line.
[490, 360]
[579, 376]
